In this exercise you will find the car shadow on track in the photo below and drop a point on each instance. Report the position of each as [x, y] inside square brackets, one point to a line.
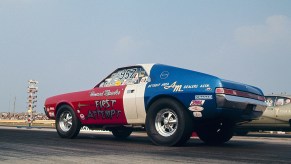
[140, 139]
[268, 135]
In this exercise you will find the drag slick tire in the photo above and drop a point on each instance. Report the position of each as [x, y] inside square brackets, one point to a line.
[67, 124]
[121, 133]
[216, 132]
[168, 123]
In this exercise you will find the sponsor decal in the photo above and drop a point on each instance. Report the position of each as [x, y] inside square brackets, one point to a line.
[105, 93]
[208, 89]
[118, 83]
[190, 86]
[197, 102]
[154, 85]
[165, 84]
[82, 116]
[104, 104]
[176, 88]
[93, 94]
[196, 108]
[203, 97]
[104, 110]
[204, 86]
[197, 114]
[164, 75]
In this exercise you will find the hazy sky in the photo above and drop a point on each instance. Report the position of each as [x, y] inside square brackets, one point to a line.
[70, 45]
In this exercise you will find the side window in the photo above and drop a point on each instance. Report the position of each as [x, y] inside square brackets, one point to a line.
[270, 101]
[143, 77]
[125, 76]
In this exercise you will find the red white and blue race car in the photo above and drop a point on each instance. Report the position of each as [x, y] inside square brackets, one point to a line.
[168, 102]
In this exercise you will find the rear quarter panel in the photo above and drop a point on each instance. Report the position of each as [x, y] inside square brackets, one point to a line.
[183, 85]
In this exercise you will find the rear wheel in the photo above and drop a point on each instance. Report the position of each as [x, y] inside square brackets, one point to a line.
[121, 133]
[216, 132]
[67, 124]
[168, 123]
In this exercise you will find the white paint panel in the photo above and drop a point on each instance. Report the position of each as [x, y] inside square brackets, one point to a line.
[140, 105]
[133, 100]
[134, 107]
[129, 104]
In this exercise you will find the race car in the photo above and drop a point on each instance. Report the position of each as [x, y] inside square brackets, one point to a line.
[166, 101]
[277, 116]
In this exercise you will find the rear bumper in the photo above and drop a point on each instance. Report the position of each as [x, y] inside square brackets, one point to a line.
[240, 108]
[235, 102]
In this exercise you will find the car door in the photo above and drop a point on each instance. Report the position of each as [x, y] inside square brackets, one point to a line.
[107, 99]
[106, 105]
[133, 100]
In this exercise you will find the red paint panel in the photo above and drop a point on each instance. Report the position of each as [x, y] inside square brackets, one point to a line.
[96, 106]
[103, 106]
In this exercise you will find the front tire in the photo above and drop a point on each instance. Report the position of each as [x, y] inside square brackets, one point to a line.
[216, 132]
[168, 123]
[67, 123]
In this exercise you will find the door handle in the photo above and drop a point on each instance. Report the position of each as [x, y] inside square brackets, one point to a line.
[130, 91]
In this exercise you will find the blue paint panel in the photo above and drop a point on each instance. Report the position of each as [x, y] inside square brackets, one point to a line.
[183, 85]
[186, 85]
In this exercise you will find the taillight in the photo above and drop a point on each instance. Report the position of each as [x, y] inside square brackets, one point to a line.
[238, 93]
[261, 98]
[226, 91]
[219, 90]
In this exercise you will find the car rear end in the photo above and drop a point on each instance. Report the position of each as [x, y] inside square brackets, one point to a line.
[239, 102]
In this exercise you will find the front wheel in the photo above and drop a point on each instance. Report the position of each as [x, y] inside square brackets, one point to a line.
[67, 124]
[168, 123]
[216, 132]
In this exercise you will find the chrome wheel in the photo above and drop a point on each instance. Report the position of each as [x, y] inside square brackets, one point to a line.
[166, 122]
[65, 121]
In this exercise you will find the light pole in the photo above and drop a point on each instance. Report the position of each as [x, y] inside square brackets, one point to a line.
[31, 100]
[14, 105]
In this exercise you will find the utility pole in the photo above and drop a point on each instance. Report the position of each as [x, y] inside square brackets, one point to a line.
[14, 104]
[31, 100]
[9, 105]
